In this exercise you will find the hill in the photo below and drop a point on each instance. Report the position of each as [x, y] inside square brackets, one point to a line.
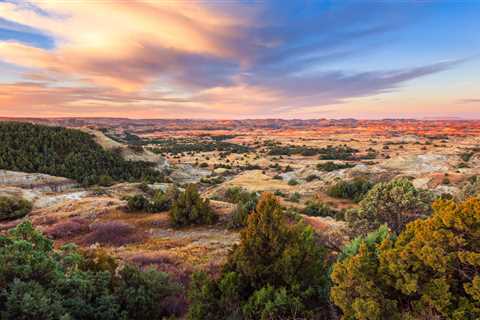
[67, 153]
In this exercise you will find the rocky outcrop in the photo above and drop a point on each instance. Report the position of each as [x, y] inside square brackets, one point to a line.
[36, 181]
[419, 164]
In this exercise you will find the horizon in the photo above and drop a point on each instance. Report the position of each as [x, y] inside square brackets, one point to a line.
[208, 60]
[240, 119]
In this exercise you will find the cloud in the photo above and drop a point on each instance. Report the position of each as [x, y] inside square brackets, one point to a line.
[194, 58]
[470, 100]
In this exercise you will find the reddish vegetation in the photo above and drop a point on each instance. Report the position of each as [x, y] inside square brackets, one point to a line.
[114, 233]
[67, 229]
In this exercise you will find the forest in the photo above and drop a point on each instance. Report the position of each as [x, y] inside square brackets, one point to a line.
[67, 153]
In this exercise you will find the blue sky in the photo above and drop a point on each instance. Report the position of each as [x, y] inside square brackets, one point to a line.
[243, 59]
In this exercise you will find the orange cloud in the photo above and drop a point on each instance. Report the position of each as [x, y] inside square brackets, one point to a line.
[96, 39]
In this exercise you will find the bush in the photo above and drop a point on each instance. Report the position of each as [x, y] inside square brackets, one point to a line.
[431, 271]
[113, 233]
[292, 182]
[294, 197]
[332, 166]
[189, 208]
[277, 271]
[470, 189]
[105, 181]
[14, 208]
[237, 195]
[70, 228]
[319, 209]
[137, 202]
[354, 190]
[245, 204]
[394, 203]
[311, 177]
[38, 282]
[160, 201]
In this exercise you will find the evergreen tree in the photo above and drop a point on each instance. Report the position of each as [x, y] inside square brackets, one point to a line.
[189, 208]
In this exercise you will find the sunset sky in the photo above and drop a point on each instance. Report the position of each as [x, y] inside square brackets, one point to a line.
[240, 59]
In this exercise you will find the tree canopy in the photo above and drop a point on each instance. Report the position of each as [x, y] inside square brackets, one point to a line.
[430, 271]
[38, 282]
[278, 271]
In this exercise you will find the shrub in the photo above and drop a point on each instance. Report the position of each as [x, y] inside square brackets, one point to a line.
[431, 271]
[114, 233]
[394, 203]
[38, 282]
[277, 271]
[137, 202]
[466, 156]
[189, 208]
[246, 203]
[470, 189]
[354, 190]
[14, 208]
[145, 294]
[105, 181]
[237, 195]
[292, 182]
[332, 166]
[279, 193]
[70, 228]
[311, 177]
[294, 197]
[160, 201]
[318, 209]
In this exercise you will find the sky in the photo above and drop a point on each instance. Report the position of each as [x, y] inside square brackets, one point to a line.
[240, 59]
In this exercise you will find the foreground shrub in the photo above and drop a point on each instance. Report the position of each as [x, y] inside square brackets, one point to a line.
[394, 203]
[189, 208]
[354, 190]
[37, 282]
[14, 208]
[431, 271]
[277, 271]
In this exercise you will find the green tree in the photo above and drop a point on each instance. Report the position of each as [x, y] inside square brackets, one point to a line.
[14, 208]
[189, 208]
[394, 203]
[278, 271]
[354, 189]
[431, 271]
[38, 282]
